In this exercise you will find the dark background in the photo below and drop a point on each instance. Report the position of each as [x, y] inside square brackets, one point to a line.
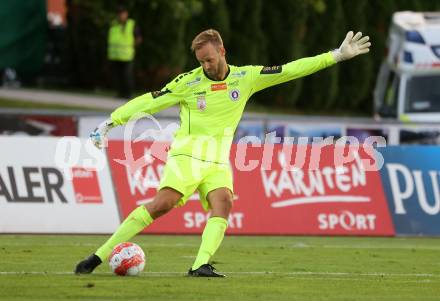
[254, 31]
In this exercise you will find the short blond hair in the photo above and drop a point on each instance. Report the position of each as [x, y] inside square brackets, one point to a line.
[205, 37]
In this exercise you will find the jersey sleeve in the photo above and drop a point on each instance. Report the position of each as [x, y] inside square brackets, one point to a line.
[264, 77]
[150, 103]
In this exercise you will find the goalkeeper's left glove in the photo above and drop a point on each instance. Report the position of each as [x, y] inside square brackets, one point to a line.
[99, 135]
[352, 46]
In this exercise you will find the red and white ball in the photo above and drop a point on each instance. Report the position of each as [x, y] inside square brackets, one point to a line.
[127, 259]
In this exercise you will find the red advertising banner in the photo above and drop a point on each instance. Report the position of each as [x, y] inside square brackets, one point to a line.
[86, 185]
[278, 190]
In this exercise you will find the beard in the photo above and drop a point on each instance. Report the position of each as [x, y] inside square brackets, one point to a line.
[215, 73]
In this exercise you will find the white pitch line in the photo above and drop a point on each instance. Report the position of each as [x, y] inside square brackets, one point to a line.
[95, 245]
[299, 245]
[360, 279]
[405, 247]
[71, 273]
[331, 274]
[376, 274]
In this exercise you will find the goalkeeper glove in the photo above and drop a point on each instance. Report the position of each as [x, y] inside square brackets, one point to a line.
[99, 135]
[352, 46]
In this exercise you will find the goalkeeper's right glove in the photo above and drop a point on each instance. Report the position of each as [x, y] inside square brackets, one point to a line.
[99, 135]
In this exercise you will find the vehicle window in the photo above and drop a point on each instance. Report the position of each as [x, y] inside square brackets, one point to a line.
[423, 94]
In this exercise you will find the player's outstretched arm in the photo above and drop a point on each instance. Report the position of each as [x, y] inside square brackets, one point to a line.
[149, 103]
[353, 45]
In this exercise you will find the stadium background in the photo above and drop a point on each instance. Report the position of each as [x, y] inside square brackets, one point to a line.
[73, 54]
[45, 191]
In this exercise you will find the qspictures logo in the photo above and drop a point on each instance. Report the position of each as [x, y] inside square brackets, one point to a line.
[86, 186]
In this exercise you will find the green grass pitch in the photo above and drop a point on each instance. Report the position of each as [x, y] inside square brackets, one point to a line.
[39, 267]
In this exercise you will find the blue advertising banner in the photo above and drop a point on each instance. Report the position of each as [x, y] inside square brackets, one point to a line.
[410, 178]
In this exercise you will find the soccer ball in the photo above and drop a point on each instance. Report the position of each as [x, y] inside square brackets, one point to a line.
[127, 259]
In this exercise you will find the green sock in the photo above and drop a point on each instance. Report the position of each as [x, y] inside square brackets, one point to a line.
[135, 222]
[211, 239]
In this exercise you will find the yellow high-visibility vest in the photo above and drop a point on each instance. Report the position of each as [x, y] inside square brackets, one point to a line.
[121, 41]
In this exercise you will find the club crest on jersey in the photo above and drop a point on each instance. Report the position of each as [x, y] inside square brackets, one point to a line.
[219, 87]
[201, 103]
[234, 94]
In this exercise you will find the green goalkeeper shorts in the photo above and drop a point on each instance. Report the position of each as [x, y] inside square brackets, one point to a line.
[186, 175]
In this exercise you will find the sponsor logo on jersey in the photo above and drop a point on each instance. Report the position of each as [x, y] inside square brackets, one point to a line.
[194, 82]
[157, 94]
[234, 94]
[238, 74]
[200, 93]
[201, 103]
[234, 83]
[271, 70]
[219, 87]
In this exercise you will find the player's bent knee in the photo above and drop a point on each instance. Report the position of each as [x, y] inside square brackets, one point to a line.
[162, 204]
[221, 203]
[158, 208]
[229, 204]
[228, 200]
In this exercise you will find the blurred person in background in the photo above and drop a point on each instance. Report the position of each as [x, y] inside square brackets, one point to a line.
[212, 99]
[123, 37]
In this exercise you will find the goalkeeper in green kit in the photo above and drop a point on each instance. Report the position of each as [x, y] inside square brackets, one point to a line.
[212, 98]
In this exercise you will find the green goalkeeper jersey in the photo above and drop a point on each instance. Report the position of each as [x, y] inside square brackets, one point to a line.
[211, 110]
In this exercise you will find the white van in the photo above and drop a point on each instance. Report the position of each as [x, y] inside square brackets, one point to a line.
[408, 84]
